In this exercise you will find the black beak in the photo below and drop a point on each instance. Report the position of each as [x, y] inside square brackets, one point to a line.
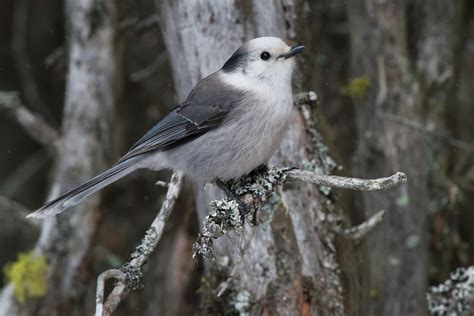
[293, 51]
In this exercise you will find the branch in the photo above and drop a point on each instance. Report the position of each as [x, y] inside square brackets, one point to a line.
[57, 56]
[224, 216]
[149, 70]
[305, 98]
[33, 124]
[20, 20]
[15, 180]
[359, 232]
[455, 296]
[348, 183]
[119, 288]
[139, 26]
[15, 210]
[469, 147]
[129, 275]
[256, 188]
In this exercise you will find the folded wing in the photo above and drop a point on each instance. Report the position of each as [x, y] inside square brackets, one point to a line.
[205, 109]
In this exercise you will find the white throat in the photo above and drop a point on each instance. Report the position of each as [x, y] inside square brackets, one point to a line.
[265, 86]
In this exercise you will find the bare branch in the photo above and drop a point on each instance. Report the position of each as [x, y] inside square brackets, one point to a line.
[348, 183]
[57, 56]
[139, 26]
[359, 232]
[15, 180]
[33, 124]
[99, 298]
[20, 19]
[427, 129]
[131, 272]
[16, 210]
[149, 70]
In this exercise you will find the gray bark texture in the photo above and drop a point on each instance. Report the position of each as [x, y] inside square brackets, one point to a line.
[91, 94]
[288, 265]
[406, 74]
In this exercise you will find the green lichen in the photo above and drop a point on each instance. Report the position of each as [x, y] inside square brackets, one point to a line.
[373, 294]
[356, 88]
[437, 107]
[27, 276]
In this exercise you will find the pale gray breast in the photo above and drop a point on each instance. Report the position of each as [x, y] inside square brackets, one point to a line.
[249, 136]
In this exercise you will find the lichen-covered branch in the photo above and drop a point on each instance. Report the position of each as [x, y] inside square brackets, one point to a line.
[455, 296]
[32, 123]
[129, 275]
[256, 188]
[308, 97]
[224, 216]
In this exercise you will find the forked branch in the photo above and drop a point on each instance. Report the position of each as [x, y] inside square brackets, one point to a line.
[254, 190]
[32, 123]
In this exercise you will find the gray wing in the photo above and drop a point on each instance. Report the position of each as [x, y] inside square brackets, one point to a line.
[205, 109]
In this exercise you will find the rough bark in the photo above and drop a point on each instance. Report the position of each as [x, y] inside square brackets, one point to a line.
[91, 93]
[290, 263]
[407, 62]
[397, 255]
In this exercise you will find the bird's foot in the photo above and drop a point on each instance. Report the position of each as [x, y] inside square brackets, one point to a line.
[243, 209]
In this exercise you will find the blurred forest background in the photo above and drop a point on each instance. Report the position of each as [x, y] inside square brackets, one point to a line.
[395, 85]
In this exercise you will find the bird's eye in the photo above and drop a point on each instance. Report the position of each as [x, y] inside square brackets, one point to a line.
[265, 56]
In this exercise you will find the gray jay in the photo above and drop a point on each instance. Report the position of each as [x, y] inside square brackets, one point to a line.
[231, 123]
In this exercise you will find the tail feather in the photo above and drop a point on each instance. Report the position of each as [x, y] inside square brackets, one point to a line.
[76, 195]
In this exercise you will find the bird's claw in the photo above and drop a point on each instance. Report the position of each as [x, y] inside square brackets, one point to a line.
[243, 208]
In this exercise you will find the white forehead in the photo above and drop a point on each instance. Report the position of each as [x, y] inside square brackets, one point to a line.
[267, 43]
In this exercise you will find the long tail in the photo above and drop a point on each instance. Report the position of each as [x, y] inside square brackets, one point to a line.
[76, 195]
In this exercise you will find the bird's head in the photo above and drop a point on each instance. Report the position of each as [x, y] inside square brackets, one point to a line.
[263, 59]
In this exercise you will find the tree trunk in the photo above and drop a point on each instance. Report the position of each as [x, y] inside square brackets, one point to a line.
[290, 265]
[406, 62]
[91, 94]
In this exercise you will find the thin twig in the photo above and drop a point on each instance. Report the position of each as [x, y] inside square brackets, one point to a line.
[139, 26]
[15, 180]
[426, 129]
[104, 276]
[15, 209]
[149, 70]
[130, 274]
[20, 20]
[359, 232]
[33, 124]
[58, 55]
[348, 183]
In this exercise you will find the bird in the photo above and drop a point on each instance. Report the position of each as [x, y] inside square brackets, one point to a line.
[231, 122]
